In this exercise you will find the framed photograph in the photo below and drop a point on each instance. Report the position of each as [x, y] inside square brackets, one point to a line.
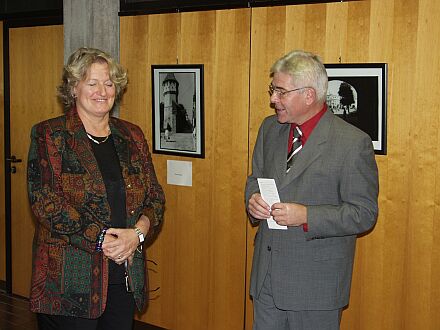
[178, 123]
[358, 94]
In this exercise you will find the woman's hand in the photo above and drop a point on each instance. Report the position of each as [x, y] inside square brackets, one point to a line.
[119, 244]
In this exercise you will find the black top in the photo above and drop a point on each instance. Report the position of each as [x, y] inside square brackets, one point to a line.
[108, 163]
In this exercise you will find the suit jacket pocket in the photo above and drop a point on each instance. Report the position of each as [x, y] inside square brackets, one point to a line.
[331, 252]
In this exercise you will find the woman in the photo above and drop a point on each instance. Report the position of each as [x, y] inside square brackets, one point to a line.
[95, 195]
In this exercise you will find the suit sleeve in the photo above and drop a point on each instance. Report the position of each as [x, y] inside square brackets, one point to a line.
[257, 169]
[65, 223]
[358, 191]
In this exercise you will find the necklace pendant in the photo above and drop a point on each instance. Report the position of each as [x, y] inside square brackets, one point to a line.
[96, 141]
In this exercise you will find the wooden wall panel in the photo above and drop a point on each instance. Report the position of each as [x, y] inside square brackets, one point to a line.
[204, 251]
[201, 250]
[147, 40]
[393, 213]
[397, 268]
[423, 186]
[2, 169]
[336, 33]
[36, 61]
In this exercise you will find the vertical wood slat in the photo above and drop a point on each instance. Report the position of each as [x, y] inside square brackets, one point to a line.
[397, 168]
[336, 32]
[201, 249]
[145, 41]
[423, 186]
[36, 60]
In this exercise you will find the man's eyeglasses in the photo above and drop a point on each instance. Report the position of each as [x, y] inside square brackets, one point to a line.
[280, 92]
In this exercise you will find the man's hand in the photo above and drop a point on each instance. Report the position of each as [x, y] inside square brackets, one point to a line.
[289, 214]
[258, 208]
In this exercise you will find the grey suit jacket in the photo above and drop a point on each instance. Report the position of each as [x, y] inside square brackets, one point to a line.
[335, 176]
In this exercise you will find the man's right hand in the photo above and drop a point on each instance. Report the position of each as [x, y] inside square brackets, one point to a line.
[258, 208]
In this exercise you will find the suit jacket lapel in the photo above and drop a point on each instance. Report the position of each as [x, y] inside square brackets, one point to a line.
[311, 150]
[280, 153]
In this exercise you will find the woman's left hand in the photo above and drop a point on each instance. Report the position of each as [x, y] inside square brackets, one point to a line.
[119, 244]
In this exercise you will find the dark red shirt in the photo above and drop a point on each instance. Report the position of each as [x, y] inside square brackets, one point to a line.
[306, 128]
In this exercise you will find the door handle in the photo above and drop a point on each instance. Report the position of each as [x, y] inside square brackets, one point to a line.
[13, 159]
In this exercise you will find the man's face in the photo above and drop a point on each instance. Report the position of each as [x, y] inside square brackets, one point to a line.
[290, 107]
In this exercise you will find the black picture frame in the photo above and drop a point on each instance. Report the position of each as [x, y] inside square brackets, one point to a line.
[178, 110]
[363, 102]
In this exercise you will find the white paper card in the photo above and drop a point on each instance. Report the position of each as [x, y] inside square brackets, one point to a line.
[269, 192]
[179, 173]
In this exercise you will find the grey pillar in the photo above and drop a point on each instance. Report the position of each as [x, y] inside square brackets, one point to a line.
[91, 23]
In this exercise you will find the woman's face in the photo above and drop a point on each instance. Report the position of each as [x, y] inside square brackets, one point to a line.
[95, 95]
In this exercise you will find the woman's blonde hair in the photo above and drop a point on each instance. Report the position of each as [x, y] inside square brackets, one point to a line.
[76, 70]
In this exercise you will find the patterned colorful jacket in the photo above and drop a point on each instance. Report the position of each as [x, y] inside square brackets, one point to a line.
[68, 198]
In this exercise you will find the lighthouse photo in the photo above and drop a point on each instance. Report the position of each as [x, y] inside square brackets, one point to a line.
[178, 109]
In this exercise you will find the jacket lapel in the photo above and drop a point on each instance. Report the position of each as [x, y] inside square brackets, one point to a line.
[280, 153]
[121, 139]
[80, 144]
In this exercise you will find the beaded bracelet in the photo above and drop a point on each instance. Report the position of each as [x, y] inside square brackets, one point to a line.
[100, 239]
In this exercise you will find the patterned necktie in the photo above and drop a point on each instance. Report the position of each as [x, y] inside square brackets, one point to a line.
[296, 147]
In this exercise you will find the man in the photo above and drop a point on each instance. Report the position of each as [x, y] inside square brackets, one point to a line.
[328, 190]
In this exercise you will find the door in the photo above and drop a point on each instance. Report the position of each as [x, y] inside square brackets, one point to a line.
[36, 60]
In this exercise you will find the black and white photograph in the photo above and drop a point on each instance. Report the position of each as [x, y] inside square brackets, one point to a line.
[178, 126]
[358, 94]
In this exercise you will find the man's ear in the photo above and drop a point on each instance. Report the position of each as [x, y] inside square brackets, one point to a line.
[310, 96]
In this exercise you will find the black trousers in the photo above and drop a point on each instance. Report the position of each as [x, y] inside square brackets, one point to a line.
[118, 314]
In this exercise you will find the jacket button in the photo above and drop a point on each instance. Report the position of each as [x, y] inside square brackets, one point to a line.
[132, 212]
[129, 186]
[269, 248]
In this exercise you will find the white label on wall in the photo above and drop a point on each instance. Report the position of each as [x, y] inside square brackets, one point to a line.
[179, 173]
